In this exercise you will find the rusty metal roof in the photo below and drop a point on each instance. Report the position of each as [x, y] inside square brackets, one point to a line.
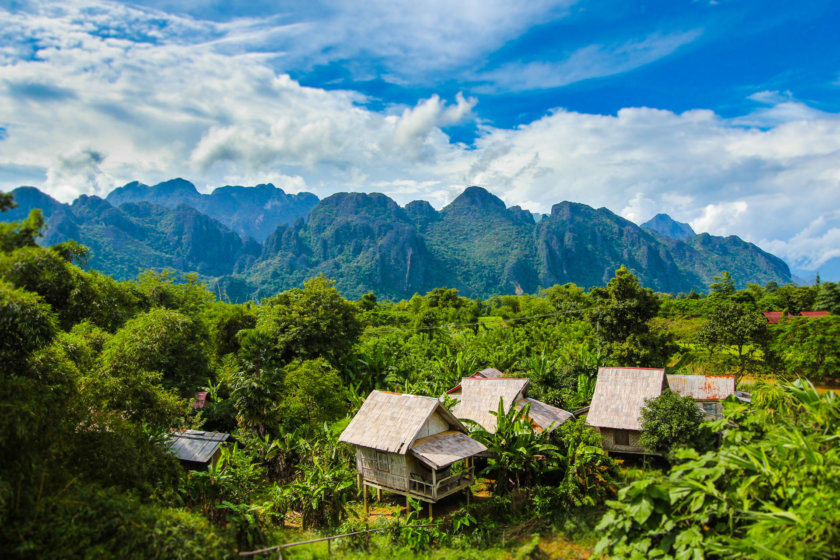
[390, 422]
[196, 446]
[443, 449]
[703, 387]
[620, 395]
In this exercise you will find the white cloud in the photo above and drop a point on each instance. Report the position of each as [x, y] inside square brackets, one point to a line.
[593, 61]
[93, 111]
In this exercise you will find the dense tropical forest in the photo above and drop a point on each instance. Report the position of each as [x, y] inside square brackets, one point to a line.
[96, 373]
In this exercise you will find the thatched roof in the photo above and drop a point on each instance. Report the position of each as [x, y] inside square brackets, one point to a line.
[441, 450]
[703, 387]
[390, 422]
[620, 395]
[479, 396]
[487, 373]
[195, 446]
[545, 416]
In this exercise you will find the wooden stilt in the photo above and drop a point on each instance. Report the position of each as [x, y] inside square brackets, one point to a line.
[431, 515]
[468, 497]
[379, 494]
[359, 481]
[407, 504]
[367, 507]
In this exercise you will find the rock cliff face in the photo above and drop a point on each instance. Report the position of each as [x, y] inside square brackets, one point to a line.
[249, 211]
[366, 242]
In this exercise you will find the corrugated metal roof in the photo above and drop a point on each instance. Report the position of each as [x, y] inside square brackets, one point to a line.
[196, 446]
[703, 387]
[480, 396]
[441, 450]
[545, 416]
[814, 314]
[390, 422]
[620, 395]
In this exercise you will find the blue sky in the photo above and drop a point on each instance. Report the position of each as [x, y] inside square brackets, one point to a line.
[723, 114]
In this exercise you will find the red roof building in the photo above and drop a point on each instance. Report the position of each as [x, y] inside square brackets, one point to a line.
[773, 317]
[814, 314]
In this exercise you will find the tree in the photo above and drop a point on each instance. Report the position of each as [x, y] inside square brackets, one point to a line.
[670, 421]
[723, 287]
[17, 235]
[257, 386]
[734, 326]
[311, 322]
[163, 341]
[808, 347]
[828, 298]
[313, 394]
[620, 317]
[7, 201]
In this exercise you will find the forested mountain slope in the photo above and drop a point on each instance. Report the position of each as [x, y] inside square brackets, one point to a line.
[367, 242]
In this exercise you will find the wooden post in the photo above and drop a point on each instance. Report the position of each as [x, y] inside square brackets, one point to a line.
[468, 497]
[364, 493]
[358, 481]
[379, 494]
[407, 504]
[329, 552]
[431, 515]
[434, 484]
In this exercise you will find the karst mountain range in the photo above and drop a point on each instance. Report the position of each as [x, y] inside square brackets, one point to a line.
[251, 242]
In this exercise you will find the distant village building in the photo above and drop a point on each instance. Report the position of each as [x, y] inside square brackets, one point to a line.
[774, 317]
[196, 449]
[406, 444]
[479, 396]
[707, 390]
[616, 408]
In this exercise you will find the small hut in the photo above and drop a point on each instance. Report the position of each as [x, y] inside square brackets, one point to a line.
[406, 444]
[706, 390]
[616, 408]
[196, 449]
[480, 397]
[487, 373]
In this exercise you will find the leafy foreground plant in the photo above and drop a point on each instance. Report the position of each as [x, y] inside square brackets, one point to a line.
[771, 491]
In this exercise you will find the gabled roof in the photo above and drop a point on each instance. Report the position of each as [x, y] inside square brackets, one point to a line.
[703, 387]
[443, 449]
[813, 314]
[390, 422]
[544, 416]
[773, 317]
[195, 446]
[480, 396]
[620, 395]
[487, 373]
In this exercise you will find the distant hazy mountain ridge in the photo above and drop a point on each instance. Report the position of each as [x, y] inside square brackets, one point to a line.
[367, 242]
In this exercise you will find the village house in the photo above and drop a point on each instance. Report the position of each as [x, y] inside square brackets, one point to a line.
[479, 398]
[707, 390]
[616, 408]
[774, 317]
[487, 373]
[196, 449]
[406, 444]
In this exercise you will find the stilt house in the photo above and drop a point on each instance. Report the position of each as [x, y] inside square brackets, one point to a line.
[616, 408]
[706, 390]
[480, 396]
[406, 444]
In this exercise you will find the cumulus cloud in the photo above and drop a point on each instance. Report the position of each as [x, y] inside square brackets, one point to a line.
[178, 96]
